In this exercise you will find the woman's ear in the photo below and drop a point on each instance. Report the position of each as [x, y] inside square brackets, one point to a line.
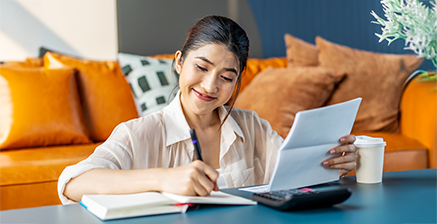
[178, 61]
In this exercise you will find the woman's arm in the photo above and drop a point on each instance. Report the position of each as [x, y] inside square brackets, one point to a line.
[196, 178]
[110, 181]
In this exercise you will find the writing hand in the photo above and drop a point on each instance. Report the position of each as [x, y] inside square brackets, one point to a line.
[196, 179]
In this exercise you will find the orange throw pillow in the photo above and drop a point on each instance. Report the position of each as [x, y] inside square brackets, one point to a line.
[278, 94]
[40, 108]
[253, 67]
[28, 63]
[106, 96]
[377, 78]
[300, 53]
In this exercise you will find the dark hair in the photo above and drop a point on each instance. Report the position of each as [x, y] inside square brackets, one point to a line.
[216, 29]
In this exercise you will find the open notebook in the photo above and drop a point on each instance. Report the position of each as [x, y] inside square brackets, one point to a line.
[314, 132]
[108, 207]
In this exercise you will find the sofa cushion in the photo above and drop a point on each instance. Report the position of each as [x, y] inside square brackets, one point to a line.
[29, 195]
[278, 94]
[35, 62]
[28, 63]
[37, 165]
[163, 56]
[253, 67]
[299, 52]
[419, 115]
[151, 80]
[377, 78]
[107, 99]
[401, 151]
[40, 107]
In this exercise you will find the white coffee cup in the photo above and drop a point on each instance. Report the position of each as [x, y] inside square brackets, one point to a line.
[370, 159]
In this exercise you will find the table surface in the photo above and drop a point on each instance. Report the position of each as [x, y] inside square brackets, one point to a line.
[402, 197]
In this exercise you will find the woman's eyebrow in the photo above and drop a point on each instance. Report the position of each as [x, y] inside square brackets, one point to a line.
[210, 62]
[205, 59]
[232, 70]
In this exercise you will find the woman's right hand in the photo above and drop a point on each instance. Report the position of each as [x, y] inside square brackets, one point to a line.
[196, 178]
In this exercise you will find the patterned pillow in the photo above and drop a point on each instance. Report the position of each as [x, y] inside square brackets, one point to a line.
[151, 81]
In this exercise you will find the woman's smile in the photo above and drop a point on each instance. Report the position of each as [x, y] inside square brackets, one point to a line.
[203, 96]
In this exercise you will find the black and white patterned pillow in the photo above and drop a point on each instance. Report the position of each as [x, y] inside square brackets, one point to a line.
[151, 81]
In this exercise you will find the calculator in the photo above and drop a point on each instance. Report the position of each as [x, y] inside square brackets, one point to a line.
[303, 198]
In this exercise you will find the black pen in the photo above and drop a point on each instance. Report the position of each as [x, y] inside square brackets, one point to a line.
[197, 148]
[196, 144]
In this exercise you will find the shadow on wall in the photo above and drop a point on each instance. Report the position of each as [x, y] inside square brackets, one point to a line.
[28, 31]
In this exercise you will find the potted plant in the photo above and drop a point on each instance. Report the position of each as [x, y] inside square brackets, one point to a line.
[416, 23]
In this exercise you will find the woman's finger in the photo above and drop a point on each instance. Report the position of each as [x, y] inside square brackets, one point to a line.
[348, 139]
[347, 158]
[211, 173]
[216, 188]
[346, 166]
[199, 189]
[206, 184]
[343, 148]
[205, 179]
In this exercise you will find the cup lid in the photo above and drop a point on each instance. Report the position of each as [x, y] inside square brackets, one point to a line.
[367, 141]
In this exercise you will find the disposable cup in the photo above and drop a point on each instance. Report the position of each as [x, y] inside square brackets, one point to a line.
[370, 159]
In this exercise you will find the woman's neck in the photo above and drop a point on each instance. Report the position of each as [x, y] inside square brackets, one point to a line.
[202, 121]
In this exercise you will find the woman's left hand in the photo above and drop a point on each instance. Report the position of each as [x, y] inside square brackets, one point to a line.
[347, 156]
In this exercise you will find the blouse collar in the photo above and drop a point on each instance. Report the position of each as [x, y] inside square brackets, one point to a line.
[177, 128]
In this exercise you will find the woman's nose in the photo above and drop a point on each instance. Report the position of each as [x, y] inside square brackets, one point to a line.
[209, 83]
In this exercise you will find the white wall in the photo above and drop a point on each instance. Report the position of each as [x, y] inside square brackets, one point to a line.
[85, 28]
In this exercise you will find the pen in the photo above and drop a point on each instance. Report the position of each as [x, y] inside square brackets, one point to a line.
[197, 148]
[196, 144]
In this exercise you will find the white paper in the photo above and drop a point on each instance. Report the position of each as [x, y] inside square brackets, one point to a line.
[216, 197]
[314, 132]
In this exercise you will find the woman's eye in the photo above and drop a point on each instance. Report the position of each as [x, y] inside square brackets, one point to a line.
[201, 68]
[227, 79]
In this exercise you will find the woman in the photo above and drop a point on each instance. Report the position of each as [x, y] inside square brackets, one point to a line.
[155, 153]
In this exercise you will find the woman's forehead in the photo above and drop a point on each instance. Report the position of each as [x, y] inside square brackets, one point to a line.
[215, 54]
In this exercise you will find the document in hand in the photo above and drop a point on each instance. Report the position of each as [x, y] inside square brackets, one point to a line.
[314, 132]
[108, 207]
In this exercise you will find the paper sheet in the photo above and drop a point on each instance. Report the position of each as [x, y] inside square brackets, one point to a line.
[216, 197]
[314, 132]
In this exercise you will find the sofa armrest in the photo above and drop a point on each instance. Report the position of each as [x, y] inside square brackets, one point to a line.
[418, 115]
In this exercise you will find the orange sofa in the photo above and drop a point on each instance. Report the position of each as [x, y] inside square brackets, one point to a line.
[28, 175]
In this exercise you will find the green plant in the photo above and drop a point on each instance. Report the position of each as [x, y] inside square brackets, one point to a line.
[413, 21]
[428, 77]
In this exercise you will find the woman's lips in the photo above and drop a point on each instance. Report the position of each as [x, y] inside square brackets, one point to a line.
[203, 97]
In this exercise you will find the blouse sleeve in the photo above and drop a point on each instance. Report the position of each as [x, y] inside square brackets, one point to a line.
[114, 153]
[267, 143]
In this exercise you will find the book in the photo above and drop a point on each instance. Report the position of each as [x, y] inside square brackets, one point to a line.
[107, 207]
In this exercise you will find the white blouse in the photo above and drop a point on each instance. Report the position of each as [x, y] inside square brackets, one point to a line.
[248, 147]
[221, 184]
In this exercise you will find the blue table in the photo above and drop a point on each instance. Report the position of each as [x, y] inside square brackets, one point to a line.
[403, 197]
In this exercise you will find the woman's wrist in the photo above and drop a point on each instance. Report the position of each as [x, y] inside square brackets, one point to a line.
[153, 179]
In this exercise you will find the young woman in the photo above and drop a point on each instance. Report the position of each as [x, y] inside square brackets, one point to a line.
[155, 152]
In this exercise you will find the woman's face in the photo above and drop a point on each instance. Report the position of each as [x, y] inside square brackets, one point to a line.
[207, 78]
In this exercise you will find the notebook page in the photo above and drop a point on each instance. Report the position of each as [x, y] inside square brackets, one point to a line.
[216, 197]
